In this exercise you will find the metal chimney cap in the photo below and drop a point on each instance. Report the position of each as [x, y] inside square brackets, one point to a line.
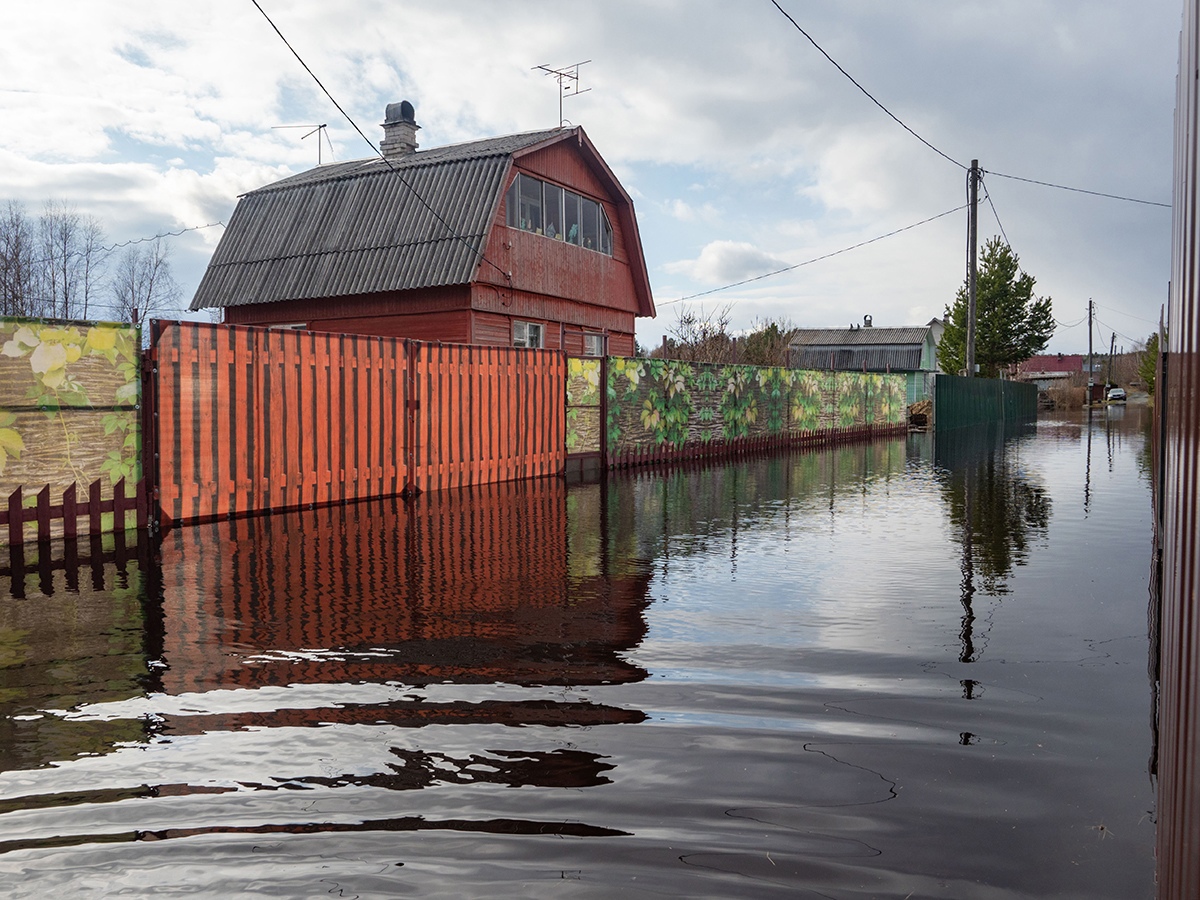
[400, 113]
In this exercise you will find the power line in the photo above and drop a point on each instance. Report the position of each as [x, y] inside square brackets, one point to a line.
[376, 150]
[1128, 315]
[987, 195]
[143, 240]
[44, 260]
[1073, 324]
[1114, 331]
[867, 93]
[1063, 187]
[808, 262]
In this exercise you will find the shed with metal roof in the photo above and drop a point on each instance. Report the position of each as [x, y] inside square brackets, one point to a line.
[525, 239]
[911, 350]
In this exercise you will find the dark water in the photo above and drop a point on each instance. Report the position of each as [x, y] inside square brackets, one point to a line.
[915, 668]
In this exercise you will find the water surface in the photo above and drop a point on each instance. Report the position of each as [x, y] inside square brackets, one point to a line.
[915, 668]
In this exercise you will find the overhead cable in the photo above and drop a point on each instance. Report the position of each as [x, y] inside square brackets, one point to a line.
[987, 195]
[809, 262]
[866, 93]
[376, 150]
[1063, 187]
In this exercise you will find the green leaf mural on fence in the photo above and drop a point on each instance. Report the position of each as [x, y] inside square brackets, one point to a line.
[671, 404]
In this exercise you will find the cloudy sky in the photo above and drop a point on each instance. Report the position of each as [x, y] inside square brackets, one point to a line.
[744, 148]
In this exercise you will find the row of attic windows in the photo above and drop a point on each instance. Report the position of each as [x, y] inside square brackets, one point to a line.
[547, 209]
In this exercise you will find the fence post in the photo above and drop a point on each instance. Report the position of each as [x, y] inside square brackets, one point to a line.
[16, 519]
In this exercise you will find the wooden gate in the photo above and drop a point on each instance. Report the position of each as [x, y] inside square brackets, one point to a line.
[252, 420]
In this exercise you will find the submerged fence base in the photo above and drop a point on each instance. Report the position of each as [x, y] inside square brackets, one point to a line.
[710, 450]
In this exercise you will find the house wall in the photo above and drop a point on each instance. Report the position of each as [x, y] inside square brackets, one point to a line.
[364, 311]
[555, 269]
[567, 289]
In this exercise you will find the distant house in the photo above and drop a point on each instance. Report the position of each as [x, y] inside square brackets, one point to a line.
[1050, 369]
[525, 240]
[911, 351]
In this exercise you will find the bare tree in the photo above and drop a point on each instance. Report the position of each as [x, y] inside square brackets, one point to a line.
[72, 259]
[142, 283]
[17, 263]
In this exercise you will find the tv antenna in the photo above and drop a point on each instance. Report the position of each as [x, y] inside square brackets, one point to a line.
[320, 131]
[568, 83]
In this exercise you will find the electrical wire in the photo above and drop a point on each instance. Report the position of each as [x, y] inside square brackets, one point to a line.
[1114, 331]
[44, 260]
[164, 234]
[1072, 325]
[867, 93]
[809, 262]
[987, 195]
[483, 256]
[1063, 187]
[1127, 315]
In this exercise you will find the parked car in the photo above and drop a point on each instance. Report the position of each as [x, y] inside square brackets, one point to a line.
[1116, 395]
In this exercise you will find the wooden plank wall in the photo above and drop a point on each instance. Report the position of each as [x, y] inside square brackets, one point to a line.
[254, 420]
[486, 414]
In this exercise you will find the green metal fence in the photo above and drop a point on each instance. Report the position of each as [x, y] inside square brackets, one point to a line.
[958, 402]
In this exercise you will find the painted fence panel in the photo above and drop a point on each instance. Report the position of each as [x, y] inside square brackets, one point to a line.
[585, 432]
[250, 420]
[254, 420]
[70, 428]
[667, 409]
[485, 414]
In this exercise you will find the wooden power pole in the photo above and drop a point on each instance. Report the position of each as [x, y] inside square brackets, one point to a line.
[972, 241]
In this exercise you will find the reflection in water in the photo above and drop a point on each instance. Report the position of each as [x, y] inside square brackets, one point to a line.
[724, 680]
[996, 506]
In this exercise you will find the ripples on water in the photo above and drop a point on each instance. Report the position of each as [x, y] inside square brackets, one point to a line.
[905, 669]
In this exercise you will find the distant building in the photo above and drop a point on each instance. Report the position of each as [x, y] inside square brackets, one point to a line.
[1051, 369]
[911, 351]
[525, 240]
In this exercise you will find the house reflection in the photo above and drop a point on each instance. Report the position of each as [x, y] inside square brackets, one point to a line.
[510, 584]
[472, 586]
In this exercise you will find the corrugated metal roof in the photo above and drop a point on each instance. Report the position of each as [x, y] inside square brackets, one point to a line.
[360, 227]
[854, 337]
[871, 358]
[859, 349]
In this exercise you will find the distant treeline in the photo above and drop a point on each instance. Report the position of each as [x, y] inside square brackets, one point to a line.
[59, 264]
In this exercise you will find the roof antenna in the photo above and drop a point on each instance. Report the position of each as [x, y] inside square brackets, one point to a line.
[320, 131]
[568, 83]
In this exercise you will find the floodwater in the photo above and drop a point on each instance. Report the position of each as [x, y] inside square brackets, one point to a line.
[915, 668]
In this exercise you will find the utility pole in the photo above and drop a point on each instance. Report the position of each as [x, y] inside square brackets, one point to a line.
[1091, 375]
[1112, 349]
[972, 240]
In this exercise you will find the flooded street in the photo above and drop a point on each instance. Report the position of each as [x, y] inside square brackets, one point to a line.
[913, 668]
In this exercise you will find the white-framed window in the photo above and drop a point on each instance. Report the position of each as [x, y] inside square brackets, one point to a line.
[528, 334]
[593, 344]
[547, 209]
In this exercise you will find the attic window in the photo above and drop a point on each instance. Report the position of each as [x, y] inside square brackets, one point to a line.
[552, 211]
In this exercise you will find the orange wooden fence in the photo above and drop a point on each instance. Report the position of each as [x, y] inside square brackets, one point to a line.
[251, 419]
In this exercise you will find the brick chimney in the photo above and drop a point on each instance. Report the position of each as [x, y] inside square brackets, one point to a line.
[399, 131]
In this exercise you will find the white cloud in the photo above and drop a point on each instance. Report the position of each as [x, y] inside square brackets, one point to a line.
[687, 212]
[722, 262]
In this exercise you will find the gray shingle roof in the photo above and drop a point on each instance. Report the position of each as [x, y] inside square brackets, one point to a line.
[859, 349]
[845, 337]
[361, 226]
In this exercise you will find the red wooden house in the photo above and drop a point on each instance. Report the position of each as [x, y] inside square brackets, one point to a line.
[523, 240]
